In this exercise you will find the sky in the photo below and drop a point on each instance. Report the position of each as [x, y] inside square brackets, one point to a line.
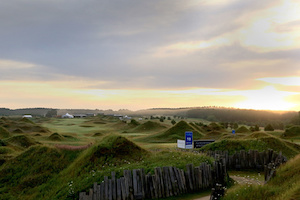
[139, 54]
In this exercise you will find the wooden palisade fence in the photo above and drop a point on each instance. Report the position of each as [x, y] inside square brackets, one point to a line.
[171, 181]
[166, 182]
[249, 160]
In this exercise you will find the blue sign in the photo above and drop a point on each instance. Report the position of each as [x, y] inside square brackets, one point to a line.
[233, 131]
[188, 140]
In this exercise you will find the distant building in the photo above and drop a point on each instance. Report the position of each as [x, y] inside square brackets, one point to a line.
[67, 115]
[27, 116]
[125, 118]
[90, 115]
[79, 115]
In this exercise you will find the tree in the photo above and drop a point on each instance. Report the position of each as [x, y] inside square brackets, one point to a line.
[235, 126]
[51, 113]
[269, 127]
[173, 122]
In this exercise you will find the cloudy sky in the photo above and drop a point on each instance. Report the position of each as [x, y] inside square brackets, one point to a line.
[138, 54]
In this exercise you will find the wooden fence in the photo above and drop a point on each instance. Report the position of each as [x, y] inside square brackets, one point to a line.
[166, 182]
[171, 181]
[249, 160]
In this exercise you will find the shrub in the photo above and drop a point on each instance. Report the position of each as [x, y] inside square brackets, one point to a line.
[269, 127]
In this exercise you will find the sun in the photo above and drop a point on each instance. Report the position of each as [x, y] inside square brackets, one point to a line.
[268, 98]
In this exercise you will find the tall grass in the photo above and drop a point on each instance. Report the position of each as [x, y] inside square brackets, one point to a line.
[284, 186]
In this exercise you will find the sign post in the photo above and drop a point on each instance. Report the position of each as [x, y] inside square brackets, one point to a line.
[188, 140]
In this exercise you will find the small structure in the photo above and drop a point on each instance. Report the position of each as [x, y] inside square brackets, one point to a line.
[27, 116]
[125, 118]
[79, 115]
[201, 143]
[67, 115]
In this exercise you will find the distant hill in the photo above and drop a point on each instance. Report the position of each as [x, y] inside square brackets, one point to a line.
[217, 114]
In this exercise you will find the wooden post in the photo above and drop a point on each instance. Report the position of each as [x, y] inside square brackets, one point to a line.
[114, 185]
[123, 189]
[159, 181]
[119, 190]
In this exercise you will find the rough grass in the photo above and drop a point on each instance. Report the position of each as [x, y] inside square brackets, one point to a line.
[255, 141]
[4, 133]
[242, 129]
[113, 153]
[174, 133]
[149, 126]
[30, 169]
[56, 137]
[21, 141]
[293, 131]
[285, 185]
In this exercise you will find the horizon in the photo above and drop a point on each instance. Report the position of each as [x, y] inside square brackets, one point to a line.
[158, 108]
[148, 54]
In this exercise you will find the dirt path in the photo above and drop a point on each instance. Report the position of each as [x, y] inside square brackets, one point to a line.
[204, 198]
[246, 180]
[239, 180]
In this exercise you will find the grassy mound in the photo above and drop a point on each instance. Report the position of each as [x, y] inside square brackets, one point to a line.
[4, 133]
[242, 129]
[149, 126]
[293, 131]
[31, 169]
[288, 149]
[18, 130]
[285, 185]
[97, 134]
[26, 120]
[113, 153]
[213, 134]
[115, 148]
[6, 150]
[258, 135]
[55, 137]
[22, 141]
[174, 133]
[2, 143]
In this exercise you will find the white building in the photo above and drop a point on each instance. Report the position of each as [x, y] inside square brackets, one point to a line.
[27, 116]
[67, 115]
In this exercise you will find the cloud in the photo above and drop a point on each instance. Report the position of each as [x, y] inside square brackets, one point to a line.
[10, 64]
[149, 45]
[288, 81]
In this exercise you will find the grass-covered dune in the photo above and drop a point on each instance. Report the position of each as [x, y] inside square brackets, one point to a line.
[4, 133]
[22, 174]
[173, 133]
[43, 172]
[20, 125]
[291, 132]
[22, 141]
[149, 126]
[284, 186]
[256, 141]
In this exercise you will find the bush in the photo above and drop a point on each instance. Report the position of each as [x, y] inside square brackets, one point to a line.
[269, 127]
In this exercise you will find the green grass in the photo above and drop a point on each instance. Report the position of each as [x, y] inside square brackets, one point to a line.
[51, 170]
[285, 185]
[44, 172]
[171, 135]
[20, 175]
[256, 141]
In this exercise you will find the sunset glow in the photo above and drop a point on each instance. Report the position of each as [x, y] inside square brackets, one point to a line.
[147, 54]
